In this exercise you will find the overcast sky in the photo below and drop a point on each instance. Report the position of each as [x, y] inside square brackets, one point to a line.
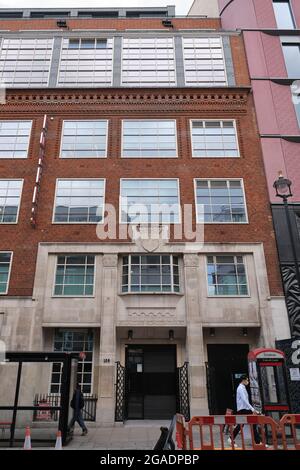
[182, 6]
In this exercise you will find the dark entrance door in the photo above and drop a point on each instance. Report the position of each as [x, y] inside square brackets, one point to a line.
[151, 382]
[226, 363]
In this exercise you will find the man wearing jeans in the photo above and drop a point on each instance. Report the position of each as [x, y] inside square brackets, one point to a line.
[77, 403]
[244, 408]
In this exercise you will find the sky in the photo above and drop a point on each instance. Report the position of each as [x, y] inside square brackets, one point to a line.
[182, 6]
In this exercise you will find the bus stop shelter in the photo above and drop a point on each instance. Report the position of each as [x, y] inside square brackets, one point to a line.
[12, 374]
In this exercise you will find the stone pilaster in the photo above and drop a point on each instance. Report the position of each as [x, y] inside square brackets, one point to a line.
[267, 333]
[106, 390]
[194, 339]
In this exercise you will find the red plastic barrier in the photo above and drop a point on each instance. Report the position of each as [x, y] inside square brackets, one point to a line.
[206, 432]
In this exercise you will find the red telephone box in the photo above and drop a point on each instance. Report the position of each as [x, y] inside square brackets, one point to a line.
[268, 382]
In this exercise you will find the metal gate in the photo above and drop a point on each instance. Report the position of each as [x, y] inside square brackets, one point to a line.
[210, 386]
[183, 396]
[120, 410]
[42, 401]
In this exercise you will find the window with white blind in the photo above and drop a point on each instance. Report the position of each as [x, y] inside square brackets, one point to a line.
[10, 197]
[291, 52]
[148, 62]
[204, 63]
[86, 62]
[79, 201]
[25, 62]
[150, 273]
[214, 139]
[14, 138]
[5, 268]
[74, 275]
[226, 275]
[84, 139]
[220, 201]
[150, 201]
[149, 138]
[283, 14]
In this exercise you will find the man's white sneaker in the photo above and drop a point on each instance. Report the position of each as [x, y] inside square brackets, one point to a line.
[230, 442]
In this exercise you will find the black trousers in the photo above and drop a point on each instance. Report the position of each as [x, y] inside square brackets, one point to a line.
[238, 427]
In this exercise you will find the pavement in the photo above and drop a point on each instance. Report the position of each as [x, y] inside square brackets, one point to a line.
[132, 435]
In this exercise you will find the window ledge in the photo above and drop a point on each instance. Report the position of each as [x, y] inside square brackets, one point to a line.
[180, 294]
[72, 297]
[229, 296]
[222, 223]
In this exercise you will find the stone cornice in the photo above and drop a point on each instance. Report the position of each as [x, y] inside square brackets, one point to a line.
[172, 98]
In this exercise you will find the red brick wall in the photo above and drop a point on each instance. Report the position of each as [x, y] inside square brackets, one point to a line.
[118, 24]
[116, 104]
[239, 61]
[23, 239]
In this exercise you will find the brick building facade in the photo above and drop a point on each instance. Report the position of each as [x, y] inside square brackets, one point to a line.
[149, 305]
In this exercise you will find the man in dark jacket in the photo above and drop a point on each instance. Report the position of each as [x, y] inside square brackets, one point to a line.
[77, 403]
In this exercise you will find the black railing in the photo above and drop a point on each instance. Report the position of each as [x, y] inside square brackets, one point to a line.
[183, 394]
[90, 407]
[45, 400]
[120, 390]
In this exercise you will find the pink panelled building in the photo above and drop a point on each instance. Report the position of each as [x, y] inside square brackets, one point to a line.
[269, 47]
[271, 32]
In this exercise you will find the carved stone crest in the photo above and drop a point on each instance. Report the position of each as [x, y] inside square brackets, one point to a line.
[150, 237]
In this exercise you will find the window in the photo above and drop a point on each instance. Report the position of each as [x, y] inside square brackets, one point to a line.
[204, 63]
[5, 265]
[295, 90]
[74, 341]
[79, 201]
[292, 59]
[74, 275]
[84, 139]
[10, 196]
[149, 138]
[25, 62]
[86, 62]
[226, 275]
[150, 201]
[150, 273]
[14, 138]
[148, 62]
[49, 14]
[297, 109]
[223, 201]
[87, 43]
[98, 14]
[283, 14]
[214, 139]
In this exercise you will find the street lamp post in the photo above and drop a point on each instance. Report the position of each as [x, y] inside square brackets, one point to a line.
[283, 190]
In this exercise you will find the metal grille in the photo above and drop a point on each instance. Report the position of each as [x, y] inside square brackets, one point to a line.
[120, 393]
[183, 391]
[43, 400]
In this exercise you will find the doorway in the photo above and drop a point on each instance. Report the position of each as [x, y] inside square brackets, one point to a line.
[226, 364]
[151, 383]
